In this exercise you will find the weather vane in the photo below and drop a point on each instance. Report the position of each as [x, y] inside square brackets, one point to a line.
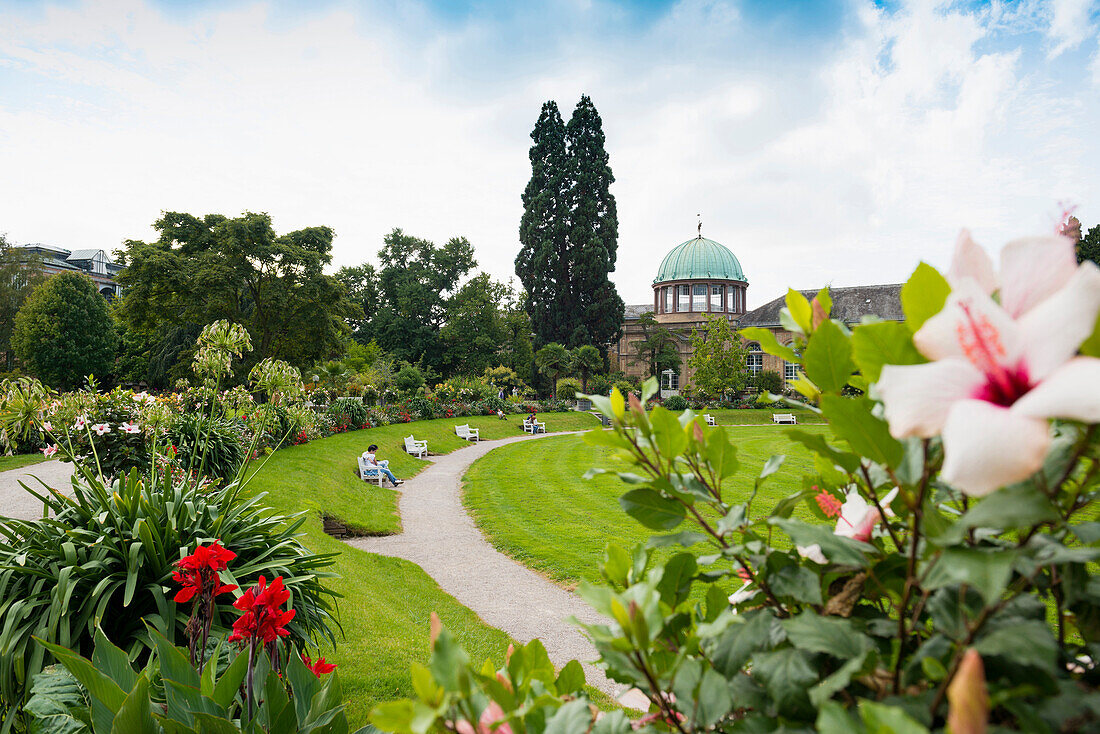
[700, 227]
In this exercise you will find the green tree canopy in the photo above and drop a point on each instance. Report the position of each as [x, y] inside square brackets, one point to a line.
[475, 328]
[64, 331]
[657, 347]
[19, 274]
[200, 270]
[586, 360]
[1088, 247]
[569, 231]
[717, 357]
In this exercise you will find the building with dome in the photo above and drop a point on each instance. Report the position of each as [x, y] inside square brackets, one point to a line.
[702, 278]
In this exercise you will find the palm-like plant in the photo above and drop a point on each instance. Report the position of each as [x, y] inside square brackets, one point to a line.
[553, 358]
[585, 361]
[22, 404]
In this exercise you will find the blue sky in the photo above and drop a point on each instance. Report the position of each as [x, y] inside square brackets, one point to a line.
[823, 142]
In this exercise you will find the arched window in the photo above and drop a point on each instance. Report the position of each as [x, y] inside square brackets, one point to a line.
[754, 361]
[699, 297]
[716, 298]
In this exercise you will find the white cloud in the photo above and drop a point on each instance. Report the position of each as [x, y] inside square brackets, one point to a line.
[1069, 24]
[845, 160]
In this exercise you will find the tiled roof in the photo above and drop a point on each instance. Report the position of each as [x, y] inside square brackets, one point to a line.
[849, 305]
[635, 311]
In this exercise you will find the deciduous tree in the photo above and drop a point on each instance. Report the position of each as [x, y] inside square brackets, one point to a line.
[717, 357]
[64, 332]
[19, 274]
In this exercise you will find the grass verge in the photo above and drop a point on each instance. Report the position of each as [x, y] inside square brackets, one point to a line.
[386, 601]
[20, 460]
[532, 504]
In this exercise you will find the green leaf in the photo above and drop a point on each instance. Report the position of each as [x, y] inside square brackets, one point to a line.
[832, 718]
[174, 665]
[652, 510]
[57, 705]
[825, 300]
[801, 313]
[828, 358]
[884, 342]
[570, 679]
[570, 718]
[796, 582]
[816, 442]
[840, 679]
[1026, 642]
[787, 676]
[836, 548]
[880, 718]
[769, 344]
[226, 687]
[851, 420]
[733, 648]
[1017, 506]
[675, 583]
[135, 716]
[616, 564]
[98, 685]
[985, 571]
[923, 296]
[830, 635]
[721, 454]
[448, 663]
[712, 701]
[111, 660]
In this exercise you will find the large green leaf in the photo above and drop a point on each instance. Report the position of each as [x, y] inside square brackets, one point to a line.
[1026, 642]
[828, 358]
[135, 716]
[923, 295]
[768, 342]
[652, 510]
[787, 675]
[113, 661]
[675, 583]
[884, 342]
[879, 718]
[985, 571]
[836, 548]
[830, 635]
[57, 704]
[851, 420]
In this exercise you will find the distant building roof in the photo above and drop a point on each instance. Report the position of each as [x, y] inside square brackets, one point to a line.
[849, 305]
[85, 254]
[699, 258]
[635, 311]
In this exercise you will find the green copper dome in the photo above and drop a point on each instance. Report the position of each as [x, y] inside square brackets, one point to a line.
[699, 258]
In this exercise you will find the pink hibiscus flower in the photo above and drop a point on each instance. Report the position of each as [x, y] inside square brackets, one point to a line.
[1001, 368]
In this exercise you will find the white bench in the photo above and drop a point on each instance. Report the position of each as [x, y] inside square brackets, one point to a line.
[784, 418]
[416, 448]
[370, 472]
[709, 419]
[470, 434]
[533, 426]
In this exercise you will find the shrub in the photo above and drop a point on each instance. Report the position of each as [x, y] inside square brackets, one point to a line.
[348, 412]
[423, 409]
[599, 384]
[22, 412]
[676, 402]
[107, 558]
[211, 447]
[408, 379]
[625, 388]
[64, 331]
[567, 388]
[768, 381]
[108, 436]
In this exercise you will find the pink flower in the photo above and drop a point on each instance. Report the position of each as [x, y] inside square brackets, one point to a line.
[491, 715]
[101, 428]
[47, 427]
[857, 521]
[80, 422]
[128, 427]
[1001, 369]
[50, 450]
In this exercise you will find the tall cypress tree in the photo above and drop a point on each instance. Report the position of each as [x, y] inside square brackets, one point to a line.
[543, 261]
[593, 231]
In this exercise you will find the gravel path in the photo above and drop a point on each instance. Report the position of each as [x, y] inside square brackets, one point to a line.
[440, 537]
[16, 501]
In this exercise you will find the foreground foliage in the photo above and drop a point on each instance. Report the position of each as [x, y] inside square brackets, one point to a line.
[935, 601]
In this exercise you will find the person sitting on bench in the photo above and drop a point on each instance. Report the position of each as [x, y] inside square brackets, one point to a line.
[383, 466]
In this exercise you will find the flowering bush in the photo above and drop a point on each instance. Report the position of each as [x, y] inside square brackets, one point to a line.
[955, 582]
[102, 433]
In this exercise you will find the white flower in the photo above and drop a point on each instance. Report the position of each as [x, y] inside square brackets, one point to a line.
[47, 427]
[742, 594]
[140, 397]
[50, 450]
[80, 422]
[857, 520]
[101, 428]
[128, 427]
[1000, 370]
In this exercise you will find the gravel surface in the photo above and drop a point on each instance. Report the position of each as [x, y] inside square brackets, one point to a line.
[16, 501]
[442, 539]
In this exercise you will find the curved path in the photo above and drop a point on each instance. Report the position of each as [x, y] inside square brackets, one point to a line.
[440, 537]
[16, 501]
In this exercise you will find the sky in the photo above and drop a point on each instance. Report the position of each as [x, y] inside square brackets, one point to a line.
[823, 142]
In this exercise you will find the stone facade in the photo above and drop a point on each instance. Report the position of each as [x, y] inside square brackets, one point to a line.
[676, 307]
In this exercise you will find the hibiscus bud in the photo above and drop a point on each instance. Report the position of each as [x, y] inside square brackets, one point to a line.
[635, 404]
[436, 628]
[508, 654]
[819, 315]
[699, 433]
[968, 712]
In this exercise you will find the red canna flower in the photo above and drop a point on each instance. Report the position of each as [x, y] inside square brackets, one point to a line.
[318, 668]
[262, 618]
[199, 571]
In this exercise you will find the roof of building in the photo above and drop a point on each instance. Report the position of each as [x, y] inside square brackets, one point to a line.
[849, 305]
[635, 311]
[85, 254]
[699, 258]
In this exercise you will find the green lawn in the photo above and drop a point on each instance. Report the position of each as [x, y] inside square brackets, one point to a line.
[759, 416]
[20, 460]
[531, 502]
[387, 602]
